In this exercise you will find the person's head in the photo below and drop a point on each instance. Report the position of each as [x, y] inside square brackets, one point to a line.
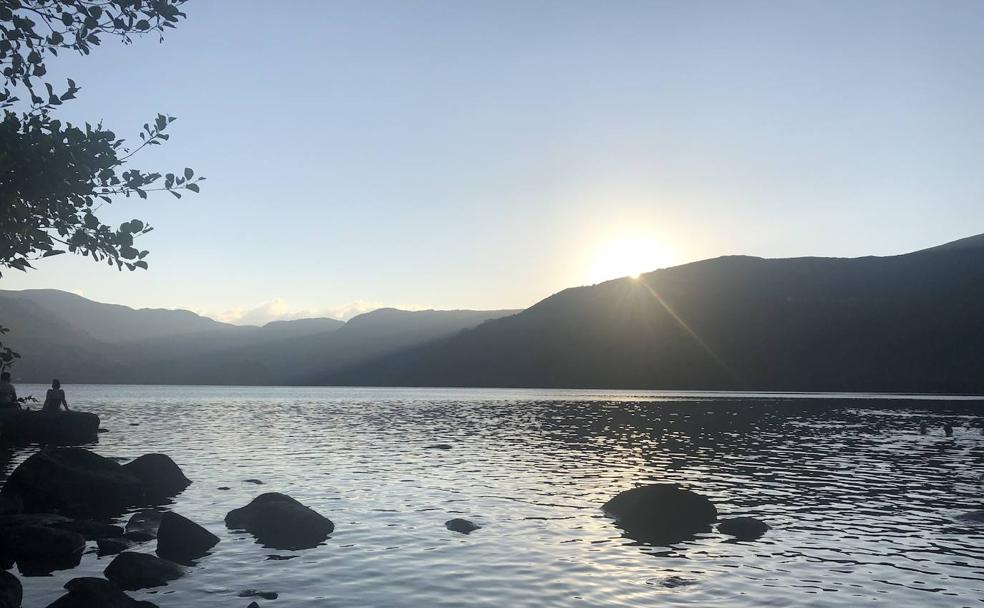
[55, 383]
[5, 377]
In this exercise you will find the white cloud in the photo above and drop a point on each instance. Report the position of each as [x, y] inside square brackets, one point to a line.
[278, 309]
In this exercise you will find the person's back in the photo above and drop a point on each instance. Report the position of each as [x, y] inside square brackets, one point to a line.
[54, 398]
[8, 394]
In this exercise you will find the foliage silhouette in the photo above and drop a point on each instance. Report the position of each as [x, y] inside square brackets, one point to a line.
[55, 176]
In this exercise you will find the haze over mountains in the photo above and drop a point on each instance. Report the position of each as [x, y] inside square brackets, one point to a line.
[912, 322]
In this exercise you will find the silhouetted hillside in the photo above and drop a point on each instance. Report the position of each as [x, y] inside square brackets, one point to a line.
[912, 322]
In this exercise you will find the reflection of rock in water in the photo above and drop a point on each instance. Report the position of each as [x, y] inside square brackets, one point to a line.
[661, 514]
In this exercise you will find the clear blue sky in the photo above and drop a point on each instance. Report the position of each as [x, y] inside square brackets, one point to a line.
[487, 154]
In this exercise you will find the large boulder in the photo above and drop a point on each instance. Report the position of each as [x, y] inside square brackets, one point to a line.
[53, 428]
[661, 513]
[40, 550]
[72, 481]
[180, 539]
[160, 476]
[90, 592]
[11, 592]
[743, 528]
[130, 571]
[280, 522]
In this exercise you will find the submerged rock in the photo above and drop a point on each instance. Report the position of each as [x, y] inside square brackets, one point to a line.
[462, 526]
[974, 517]
[54, 428]
[279, 521]
[160, 476]
[11, 592]
[112, 546]
[40, 550]
[91, 592]
[130, 571]
[267, 595]
[439, 446]
[143, 525]
[72, 481]
[743, 528]
[181, 539]
[661, 513]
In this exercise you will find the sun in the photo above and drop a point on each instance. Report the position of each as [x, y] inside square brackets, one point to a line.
[628, 257]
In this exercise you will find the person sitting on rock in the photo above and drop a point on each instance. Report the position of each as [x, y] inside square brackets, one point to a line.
[55, 398]
[8, 394]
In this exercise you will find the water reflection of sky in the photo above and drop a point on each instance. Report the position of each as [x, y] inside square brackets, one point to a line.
[861, 503]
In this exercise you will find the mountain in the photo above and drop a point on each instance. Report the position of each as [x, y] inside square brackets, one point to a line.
[78, 340]
[912, 322]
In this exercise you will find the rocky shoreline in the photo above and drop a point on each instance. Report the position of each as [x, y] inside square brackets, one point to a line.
[62, 498]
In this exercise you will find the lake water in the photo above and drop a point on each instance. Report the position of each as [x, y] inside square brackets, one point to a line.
[862, 505]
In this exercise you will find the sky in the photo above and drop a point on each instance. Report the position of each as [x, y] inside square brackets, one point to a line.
[425, 154]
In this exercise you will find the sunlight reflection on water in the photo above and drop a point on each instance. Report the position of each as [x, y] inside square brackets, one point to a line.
[861, 504]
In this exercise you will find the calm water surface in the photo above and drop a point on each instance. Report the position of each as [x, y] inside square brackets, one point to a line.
[862, 505]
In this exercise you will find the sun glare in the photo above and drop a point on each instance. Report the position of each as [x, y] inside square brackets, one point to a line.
[628, 258]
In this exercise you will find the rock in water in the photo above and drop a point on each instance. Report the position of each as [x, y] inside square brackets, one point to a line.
[130, 571]
[974, 517]
[743, 528]
[279, 521]
[72, 481]
[40, 550]
[661, 513]
[11, 592]
[91, 529]
[112, 546]
[159, 474]
[461, 525]
[180, 539]
[53, 428]
[143, 525]
[91, 592]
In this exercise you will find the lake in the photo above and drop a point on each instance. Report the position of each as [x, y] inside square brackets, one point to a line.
[862, 505]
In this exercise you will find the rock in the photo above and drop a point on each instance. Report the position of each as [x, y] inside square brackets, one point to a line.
[974, 517]
[253, 605]
[267, 595]
[180, 539]
[160, 476]
[279, 521]
[130, 571]
[72, 481]
[11, 592]
[439, 446]
[51, 520]
[743, 528]
[222, 488]
[112, 546]
[461, 525]
[92, 529]
[91, 592]
[53, 428]
[253, 481]
[143, 525]
[661, 513]
[40, 550]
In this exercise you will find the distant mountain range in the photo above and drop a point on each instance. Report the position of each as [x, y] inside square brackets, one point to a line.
[906, 323]
[63, 335]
